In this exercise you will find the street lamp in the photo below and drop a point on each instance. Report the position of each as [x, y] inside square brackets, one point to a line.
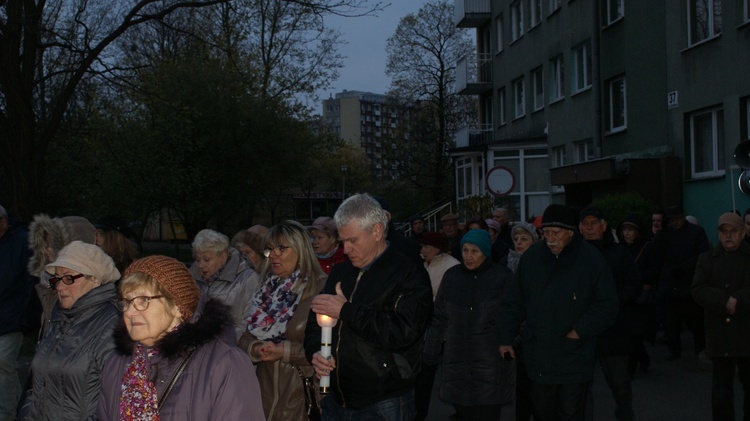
[326, 336]
[344, 168]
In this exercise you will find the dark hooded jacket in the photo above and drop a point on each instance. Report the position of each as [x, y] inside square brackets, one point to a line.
[218, 382]
[67, 366]
[465, 329]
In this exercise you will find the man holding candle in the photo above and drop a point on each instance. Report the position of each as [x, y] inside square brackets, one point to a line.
[383, 303]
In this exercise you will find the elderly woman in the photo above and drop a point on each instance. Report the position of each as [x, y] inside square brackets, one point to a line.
[250, 242]
[437, 260]
[67, 367]
[434, 252]
[475, 378]
[524, 235]
[277, 319]
[325, 242]
[175, 358]
[223, 274]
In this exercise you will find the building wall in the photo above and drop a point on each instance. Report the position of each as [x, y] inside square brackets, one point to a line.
[649, 46]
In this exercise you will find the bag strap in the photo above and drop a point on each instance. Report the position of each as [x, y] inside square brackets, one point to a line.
[300, 372]
[175, 376]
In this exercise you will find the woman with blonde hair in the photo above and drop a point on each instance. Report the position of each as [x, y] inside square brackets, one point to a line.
[277, 319]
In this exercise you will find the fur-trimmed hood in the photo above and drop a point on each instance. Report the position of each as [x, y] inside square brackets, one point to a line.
[212, 320]
[55, 233]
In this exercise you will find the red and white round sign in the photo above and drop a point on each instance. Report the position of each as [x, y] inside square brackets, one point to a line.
[499, 181]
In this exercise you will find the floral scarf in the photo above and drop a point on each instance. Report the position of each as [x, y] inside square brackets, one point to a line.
[513, 259]
[138, 398]
[273, 305]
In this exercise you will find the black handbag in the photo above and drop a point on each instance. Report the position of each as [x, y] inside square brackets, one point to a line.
[311, 400]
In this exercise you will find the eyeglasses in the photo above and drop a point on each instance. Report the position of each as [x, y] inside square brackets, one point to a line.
[140, 303]
[66, 279]
[277, 251]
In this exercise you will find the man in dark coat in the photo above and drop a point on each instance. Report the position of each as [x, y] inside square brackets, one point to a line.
[16, 287]
[615, 344]
[564, 292]
[502, 217]
[722, 286]
[383, 303]
[677, 248]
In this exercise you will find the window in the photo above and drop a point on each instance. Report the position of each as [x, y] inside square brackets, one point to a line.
[707, 143]
[557, 78]
[558, 154]
[537, 76]
[584, 151]
[499, 26]
[704, 20]
[746, 128]
[746, 11]
[582, 67]
[553, 6]
[516, 15]
[535, 10]
[617, 105]
[501, 106]
[465, 179]
[518, 98]
[615, 10]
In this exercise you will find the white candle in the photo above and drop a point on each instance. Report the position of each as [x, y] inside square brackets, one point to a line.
[326, 337]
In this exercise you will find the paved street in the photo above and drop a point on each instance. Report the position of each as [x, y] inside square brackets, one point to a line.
[669, 391]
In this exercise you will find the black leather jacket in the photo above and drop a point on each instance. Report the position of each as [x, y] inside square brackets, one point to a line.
[377, 342]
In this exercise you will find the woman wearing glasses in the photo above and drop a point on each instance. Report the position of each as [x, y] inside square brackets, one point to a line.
[277, 318]
[175, 357]
[66, 370]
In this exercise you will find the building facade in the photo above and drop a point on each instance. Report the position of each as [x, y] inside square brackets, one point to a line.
[373, 123]
[622, 95]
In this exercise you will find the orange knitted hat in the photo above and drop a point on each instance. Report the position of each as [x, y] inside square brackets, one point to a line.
[173, 276]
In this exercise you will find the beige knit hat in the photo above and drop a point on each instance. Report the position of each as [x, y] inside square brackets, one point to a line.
[173, 276]
[88, 259]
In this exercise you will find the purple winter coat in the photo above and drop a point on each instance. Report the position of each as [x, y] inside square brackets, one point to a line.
[218, 383]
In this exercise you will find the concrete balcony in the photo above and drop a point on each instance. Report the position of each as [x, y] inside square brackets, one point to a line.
[470, 82]
[473, 135]
[472, 13]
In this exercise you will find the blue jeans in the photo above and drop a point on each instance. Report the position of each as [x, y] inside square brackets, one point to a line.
[399, 408]
[10, 386]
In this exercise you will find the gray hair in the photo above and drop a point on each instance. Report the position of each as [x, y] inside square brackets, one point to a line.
[3, 212]
[210, 240]
[363, 210]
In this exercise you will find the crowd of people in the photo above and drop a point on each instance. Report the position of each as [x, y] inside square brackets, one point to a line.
[508, 313]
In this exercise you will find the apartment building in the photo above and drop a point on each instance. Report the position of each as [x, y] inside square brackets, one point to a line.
[580, 99]
[371, 122]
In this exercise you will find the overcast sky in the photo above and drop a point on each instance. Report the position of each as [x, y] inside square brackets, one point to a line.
[364, 65]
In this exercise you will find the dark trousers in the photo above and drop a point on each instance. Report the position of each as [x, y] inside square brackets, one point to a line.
[423, 390]
[478, 412]
[523, 398]
[722, 393]
[558, 402]
[681, 309]
[615, 369]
